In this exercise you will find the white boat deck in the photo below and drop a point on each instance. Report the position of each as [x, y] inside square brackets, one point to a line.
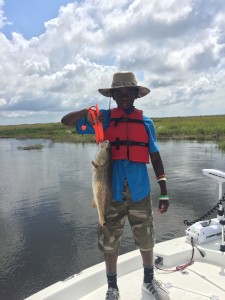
[205, 279]
[202, 280]
[194, 285]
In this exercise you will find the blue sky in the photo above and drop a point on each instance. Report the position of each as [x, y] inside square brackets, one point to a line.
[55, 55]
[28, 16]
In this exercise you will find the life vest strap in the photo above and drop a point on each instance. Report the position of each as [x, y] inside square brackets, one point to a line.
[127, 143]
[125, 120]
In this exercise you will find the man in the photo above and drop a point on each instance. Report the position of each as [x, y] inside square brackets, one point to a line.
[133, 139]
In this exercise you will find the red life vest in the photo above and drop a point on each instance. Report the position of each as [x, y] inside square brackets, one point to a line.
[128, 136]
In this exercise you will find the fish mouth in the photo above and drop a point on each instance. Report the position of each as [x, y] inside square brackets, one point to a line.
[105, 144]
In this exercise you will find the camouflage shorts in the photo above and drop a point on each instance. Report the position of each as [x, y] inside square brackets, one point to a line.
[140, 218]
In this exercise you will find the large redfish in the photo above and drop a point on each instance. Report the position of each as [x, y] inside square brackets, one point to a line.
[102, 182]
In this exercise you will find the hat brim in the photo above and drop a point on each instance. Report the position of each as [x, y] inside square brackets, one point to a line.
[143, 91]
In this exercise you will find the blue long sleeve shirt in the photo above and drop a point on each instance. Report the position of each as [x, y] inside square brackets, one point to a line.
[134, 172]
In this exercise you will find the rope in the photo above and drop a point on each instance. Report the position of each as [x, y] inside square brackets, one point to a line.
[181, 267]
[206, 215]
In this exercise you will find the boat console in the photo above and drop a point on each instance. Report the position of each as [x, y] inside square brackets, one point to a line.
[208, 230]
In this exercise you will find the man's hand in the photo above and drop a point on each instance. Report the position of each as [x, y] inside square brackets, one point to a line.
[163, 206]
[90, 120]
[101, 118]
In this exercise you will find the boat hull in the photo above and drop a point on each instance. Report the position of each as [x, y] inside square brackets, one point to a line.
[201, 280]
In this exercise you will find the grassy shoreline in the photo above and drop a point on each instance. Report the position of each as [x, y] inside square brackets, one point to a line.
[211, 128]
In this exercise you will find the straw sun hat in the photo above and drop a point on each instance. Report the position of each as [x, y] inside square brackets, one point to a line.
[124, 79]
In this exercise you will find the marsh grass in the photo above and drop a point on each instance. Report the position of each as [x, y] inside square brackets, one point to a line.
[53, 131]
[31, 147]
[221, 145]
[177, 128]
[196, 128]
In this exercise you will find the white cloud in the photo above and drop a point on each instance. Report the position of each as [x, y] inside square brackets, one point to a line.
[176, 48]
[2, 102]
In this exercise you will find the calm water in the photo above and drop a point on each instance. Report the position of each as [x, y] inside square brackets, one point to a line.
[47, 225]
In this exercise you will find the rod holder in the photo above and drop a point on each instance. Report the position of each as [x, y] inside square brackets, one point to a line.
[222, 247]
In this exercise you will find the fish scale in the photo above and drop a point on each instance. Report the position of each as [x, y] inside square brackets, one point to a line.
[102, 181]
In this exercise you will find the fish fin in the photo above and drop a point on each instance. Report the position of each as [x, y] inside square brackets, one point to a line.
[94, 204]
[94, 164]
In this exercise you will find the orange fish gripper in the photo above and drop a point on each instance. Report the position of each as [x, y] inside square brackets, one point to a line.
[96, 124]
